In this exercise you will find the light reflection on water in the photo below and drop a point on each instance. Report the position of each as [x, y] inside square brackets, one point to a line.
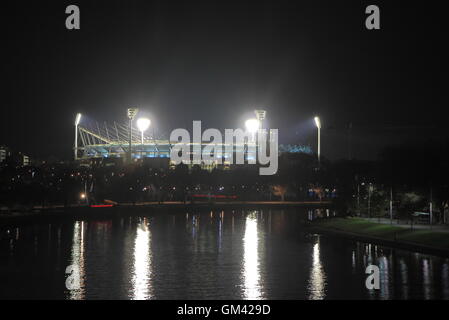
[142, 262]
[384, 270]
[77, 258]
[404, 279]
[317, 280]
[251, 276]
[445, 280]
[210, 255]
[427, 278]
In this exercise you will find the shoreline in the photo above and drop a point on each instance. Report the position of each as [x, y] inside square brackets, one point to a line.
[330, 228]
[340, 227]
[129, 209]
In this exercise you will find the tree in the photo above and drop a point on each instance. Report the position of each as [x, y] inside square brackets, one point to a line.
[280, 191]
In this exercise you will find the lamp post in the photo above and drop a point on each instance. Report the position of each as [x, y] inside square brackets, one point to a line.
[77, 122]
[391, 205]
[143, 124]
[431, 208]
[370, 190]
[358, 200]
[131, 114]
[318, 125]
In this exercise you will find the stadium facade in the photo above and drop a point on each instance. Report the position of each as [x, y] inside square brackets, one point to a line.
[100, 141]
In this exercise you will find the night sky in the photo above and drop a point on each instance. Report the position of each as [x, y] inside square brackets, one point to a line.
[216, 61]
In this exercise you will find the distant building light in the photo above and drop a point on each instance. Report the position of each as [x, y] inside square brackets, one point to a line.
[290, 148]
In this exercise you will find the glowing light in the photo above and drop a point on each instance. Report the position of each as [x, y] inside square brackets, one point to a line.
[404, 279]
[251, 272]
[427, 279]
[384, 277]
[77, 258]
[252, 125]
[317, 281]
[318, 122]
[83, 195]
[78, 119]
[143, 124]
[142, 263]
[445, 280]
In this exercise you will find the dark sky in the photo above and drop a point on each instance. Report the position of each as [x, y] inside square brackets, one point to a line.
[216, 61]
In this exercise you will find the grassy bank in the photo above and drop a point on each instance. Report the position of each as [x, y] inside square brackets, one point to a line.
[422, 240]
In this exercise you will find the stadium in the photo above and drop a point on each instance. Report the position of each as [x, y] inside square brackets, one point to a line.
[128, 142]
[132, 142]
[106, 140]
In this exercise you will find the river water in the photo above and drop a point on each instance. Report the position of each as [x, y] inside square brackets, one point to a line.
[262, 254]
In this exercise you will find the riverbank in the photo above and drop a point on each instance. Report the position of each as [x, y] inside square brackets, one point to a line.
[123, 209]
[422, 240]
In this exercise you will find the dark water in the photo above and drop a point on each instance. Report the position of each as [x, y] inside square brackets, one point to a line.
[209, 255]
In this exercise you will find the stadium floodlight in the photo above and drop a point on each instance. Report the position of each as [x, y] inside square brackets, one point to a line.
[78, 119]
[131, 112]
[318, 122]
[318, 125]
[77, 122]
[252, 125]
[261, 115]
[143, 124]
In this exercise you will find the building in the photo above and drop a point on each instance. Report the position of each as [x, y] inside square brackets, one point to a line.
[25, 160]
[19, 159]
[16, 158]
[5, 153]
[106, 143]
[2, 155]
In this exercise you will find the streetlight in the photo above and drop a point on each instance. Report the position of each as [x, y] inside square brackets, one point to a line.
[318, 125]
[431, 208]
[143, 124]
[77, 122]
[370, 191]
[391, 205]
[358, 200]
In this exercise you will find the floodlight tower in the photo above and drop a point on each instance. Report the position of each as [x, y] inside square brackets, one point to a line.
[261, 115]
[318, 125]
[131, 114]
[143, 124]
[77, 122]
